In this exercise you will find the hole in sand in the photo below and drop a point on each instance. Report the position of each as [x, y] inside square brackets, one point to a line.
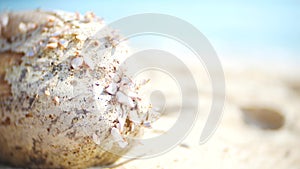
[295, 87]
[263, 118]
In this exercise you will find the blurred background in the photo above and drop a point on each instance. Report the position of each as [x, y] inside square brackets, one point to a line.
[258, 45]
[243, 30]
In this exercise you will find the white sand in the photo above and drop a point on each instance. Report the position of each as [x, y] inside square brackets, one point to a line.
[237, 144]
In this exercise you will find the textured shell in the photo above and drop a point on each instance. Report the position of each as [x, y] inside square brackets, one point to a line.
[58, 113]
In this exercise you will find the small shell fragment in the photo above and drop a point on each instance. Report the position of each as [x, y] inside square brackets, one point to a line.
[121, 123]
[133, 116]
[80, 37]
[118, 137]
[96, 139]
[89, 16]
[125, 81]
[51, 19]
[112, 88]
[52, 45]
[77, 62]
[47, 92]
[22, 27]
[4, 20]
[147, 124]
[56, 100]
[56, 34]
[31, 26]
[64, 43]
[132, 126]
[53, 39]
[124, 99]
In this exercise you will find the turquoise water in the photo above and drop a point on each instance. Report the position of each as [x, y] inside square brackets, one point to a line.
[249, 29]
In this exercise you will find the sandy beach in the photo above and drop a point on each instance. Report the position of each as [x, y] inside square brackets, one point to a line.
[259, 128]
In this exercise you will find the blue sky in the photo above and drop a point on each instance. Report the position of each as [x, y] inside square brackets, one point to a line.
[241, 29]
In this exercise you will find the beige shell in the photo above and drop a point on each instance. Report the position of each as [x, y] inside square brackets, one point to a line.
[55, 111]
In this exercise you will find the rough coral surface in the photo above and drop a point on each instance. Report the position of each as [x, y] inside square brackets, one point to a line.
[64, 103]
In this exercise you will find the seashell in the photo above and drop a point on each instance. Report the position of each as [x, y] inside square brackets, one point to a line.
[47, 92]
[125, 81]
[147, 124]
[81, 37]
[51, 19]
[112, 88]
[31, 26]
[118, 137]
[55, 34]
[124, 99]
[121, 123]
[52, 45]
[77, 62]
[134, 117]
[22, 27]
[89, 16]
[56, 100]
[64, 43]
[96, 139]
[4, 20]
[53, 40]
[132, 126]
